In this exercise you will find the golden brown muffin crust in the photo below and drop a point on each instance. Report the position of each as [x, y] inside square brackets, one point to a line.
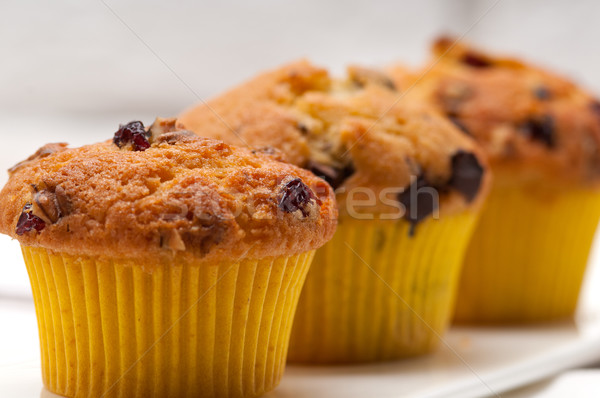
[534, 125]
[357, 132]
[183, 195]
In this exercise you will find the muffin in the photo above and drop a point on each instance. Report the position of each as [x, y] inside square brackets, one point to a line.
[408, 185]
[163, 264]
[542, 134]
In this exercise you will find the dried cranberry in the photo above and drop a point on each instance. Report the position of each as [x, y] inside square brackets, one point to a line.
[467, 173]
[475, 60]
[296, 195]
[333, 175]
[28, 221]
[540, 129]
[132, 133]
[419, 201]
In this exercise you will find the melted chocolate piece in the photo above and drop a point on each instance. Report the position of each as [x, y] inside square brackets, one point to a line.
[540, 129]
[28, 221]
[467, 173]
[334, 176]
[132, 133]
[475, 60]
[418, 201]
[296, 195]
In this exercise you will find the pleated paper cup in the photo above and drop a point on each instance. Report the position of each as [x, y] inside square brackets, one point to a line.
[375, 293]
[111, 329]
[528, 256]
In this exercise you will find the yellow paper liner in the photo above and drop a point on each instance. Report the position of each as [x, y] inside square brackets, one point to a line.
[528, 256]
[374, 293]
[111, 329]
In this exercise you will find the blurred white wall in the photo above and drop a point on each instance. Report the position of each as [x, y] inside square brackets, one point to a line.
[70, 70]
[73, 56]
[77, 58]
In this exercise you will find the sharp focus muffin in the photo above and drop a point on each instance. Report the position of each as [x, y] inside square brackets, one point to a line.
[542, 135]
[163, 264]
[408, 184]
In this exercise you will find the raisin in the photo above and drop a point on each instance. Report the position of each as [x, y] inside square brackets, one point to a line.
[418, 203]
[475, 60]
[540, 129]
[296, 195]
[28, 221]
[334, 176]
[467, 173]
[132, 133]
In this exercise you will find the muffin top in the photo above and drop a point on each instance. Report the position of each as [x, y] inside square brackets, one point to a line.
[163, 192]
[533, 124]
[358, 133]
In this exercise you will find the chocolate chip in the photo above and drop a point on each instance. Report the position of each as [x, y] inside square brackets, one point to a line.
[419, 201]
[28, 221]
[475, 60]
[334, 176]
[540, 129]
[296, 195]
[542, 93]
[132, 133]
[467, 173]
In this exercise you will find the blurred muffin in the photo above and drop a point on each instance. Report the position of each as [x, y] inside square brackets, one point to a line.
[542, 134]
[408, 185]
[163, 264]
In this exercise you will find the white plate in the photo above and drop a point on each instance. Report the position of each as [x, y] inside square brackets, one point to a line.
[472, 362]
